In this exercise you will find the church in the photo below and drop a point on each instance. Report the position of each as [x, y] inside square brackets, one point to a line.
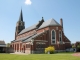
[37, 37]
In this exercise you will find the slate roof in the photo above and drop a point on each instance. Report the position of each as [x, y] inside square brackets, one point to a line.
[28, 39]
[28, 29]
[50, 22]
[32, 37]
[24, 38]
[2, 43]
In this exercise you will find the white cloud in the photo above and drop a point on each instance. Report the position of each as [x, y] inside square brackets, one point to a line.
[28, 2]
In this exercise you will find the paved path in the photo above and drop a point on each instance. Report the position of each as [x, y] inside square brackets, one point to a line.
[77, 54]
[74, 54]
[19, 53]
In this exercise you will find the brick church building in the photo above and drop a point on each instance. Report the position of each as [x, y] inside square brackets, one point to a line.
[39, 36]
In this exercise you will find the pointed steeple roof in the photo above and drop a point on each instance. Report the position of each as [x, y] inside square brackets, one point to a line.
[21, 16]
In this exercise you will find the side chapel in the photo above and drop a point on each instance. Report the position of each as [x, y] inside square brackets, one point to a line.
[37, 37]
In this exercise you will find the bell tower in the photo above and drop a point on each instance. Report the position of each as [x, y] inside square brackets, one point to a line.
[20, 25]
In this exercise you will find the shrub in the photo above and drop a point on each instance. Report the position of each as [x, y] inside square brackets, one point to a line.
[50, 49]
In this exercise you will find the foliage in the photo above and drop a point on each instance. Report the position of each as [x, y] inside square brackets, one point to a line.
[73, 46]
[8, 44]
[50, 49]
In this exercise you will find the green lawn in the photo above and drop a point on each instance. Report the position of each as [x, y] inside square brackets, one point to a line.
[59, 56]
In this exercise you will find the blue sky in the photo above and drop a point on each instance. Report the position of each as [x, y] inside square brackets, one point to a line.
[68, 10]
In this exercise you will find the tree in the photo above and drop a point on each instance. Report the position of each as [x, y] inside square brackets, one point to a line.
[73, 46]
[78, 46]
[8, 45]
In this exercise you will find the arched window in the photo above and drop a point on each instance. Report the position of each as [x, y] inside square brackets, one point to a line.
[53, 36]
[60, 36]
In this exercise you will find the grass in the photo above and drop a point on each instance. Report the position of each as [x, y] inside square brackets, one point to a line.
[59, 56]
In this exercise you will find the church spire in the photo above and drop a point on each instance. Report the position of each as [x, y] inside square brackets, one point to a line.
[21, 16]
[20, 25]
